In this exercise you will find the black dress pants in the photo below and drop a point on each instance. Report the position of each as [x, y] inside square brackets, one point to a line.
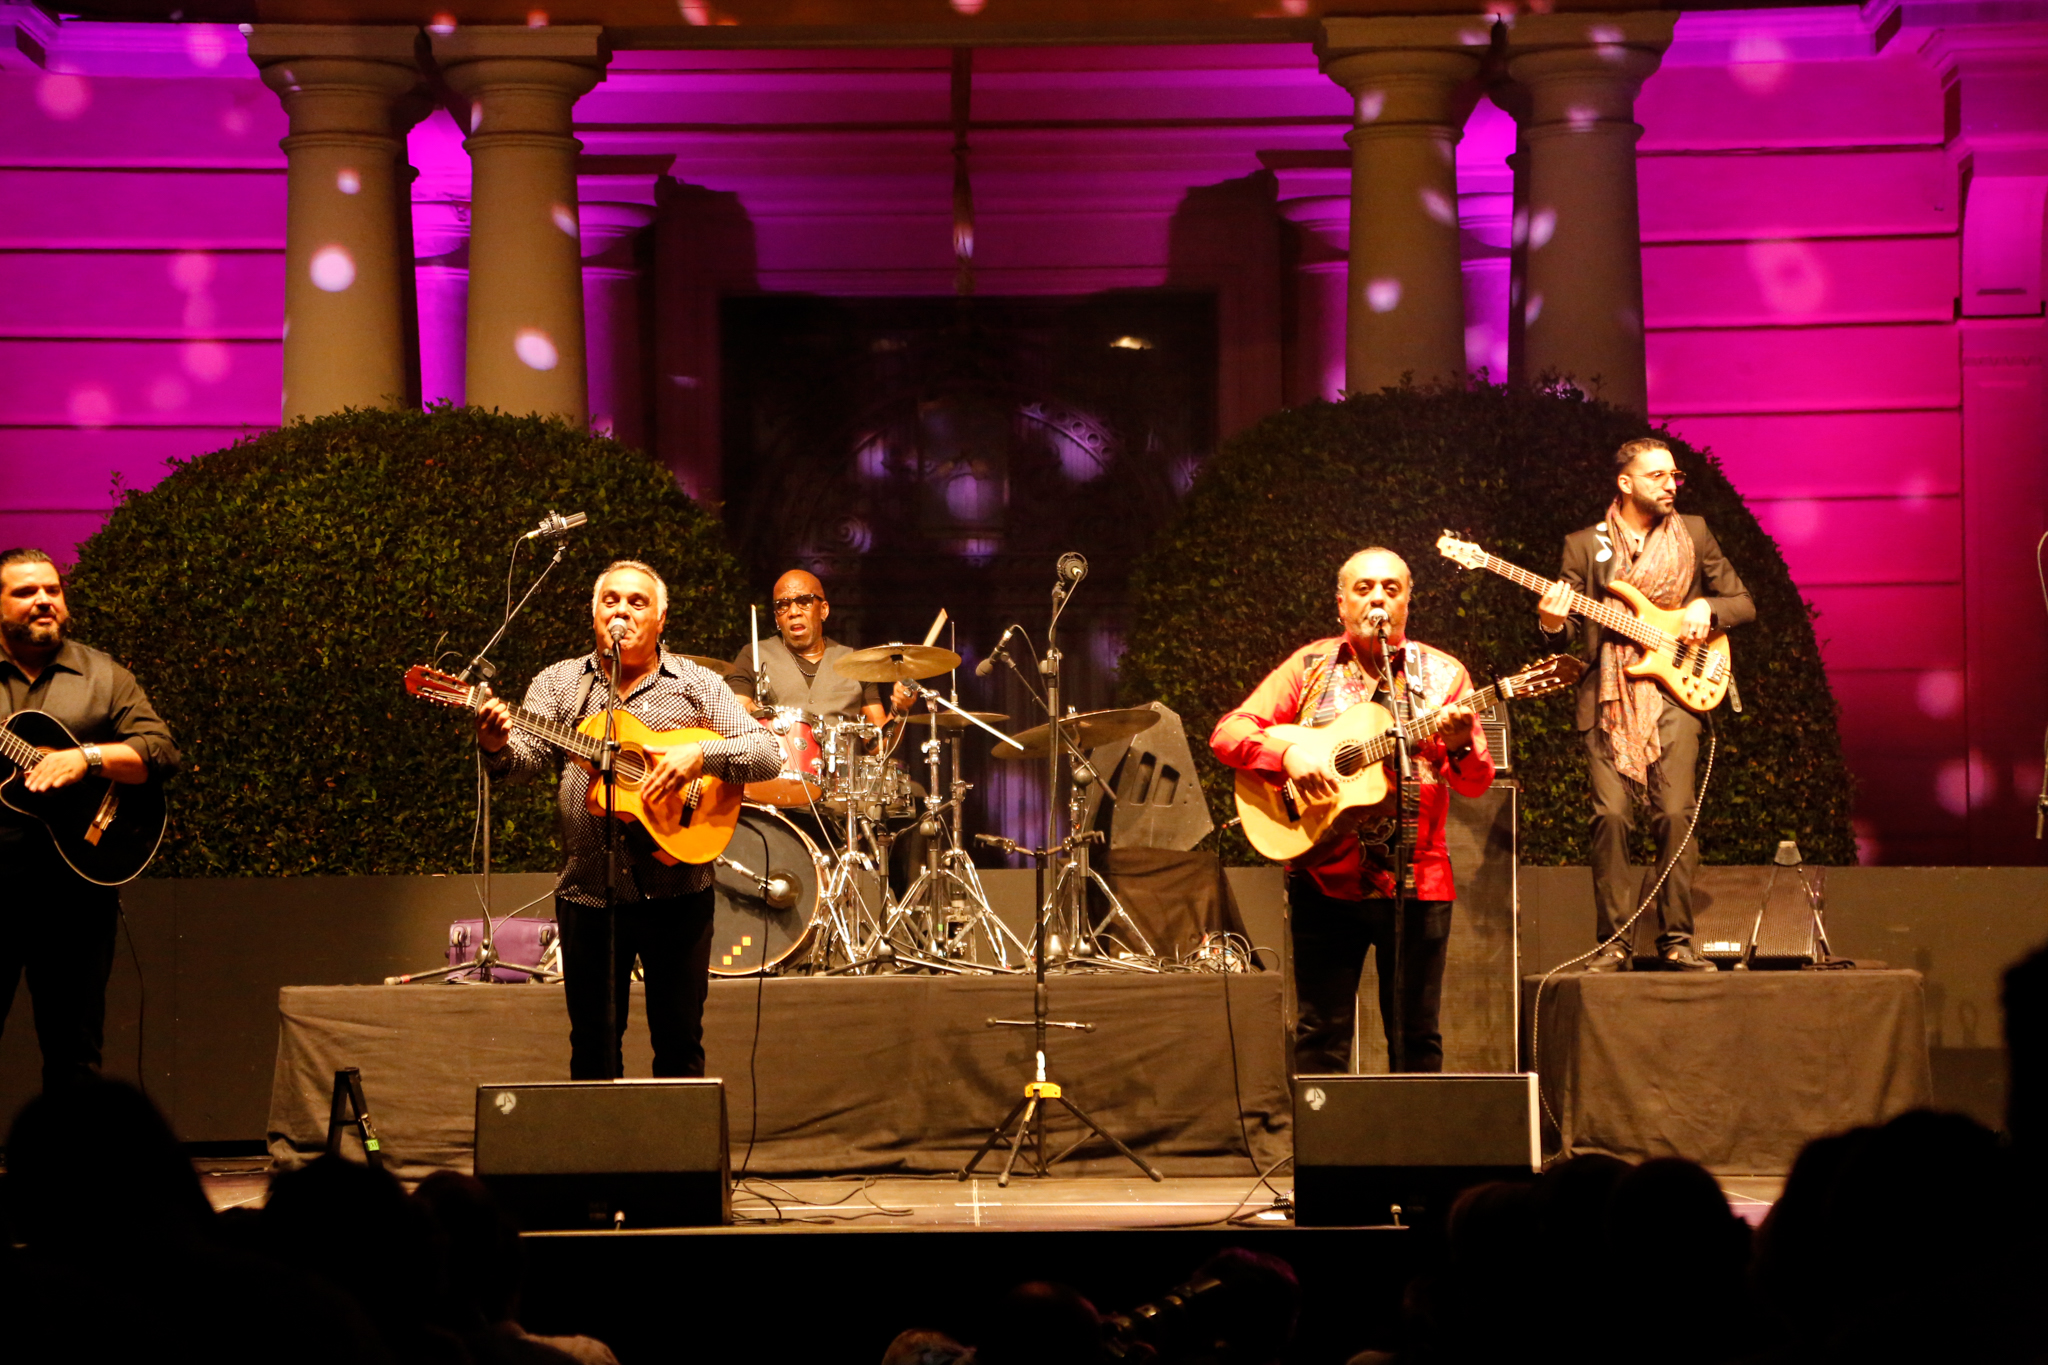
[1617, 888]
[57, 929]
[672, 939]
[1331, 938]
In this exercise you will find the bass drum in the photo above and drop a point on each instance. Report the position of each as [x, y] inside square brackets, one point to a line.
[748, 936]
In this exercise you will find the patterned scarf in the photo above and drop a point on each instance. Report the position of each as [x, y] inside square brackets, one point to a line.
[1629, 707]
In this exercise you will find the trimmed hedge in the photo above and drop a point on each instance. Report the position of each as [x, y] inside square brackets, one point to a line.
[1246, 574]
[271, 595]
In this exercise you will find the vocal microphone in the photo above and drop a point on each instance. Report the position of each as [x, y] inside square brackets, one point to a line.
[618, 627]
[554, 525]
[1377, 619]
[988, 665]
[1072, 567]
[778, 889]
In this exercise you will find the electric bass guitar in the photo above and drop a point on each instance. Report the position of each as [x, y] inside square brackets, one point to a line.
[1696, 675]
[106, 830]
[692, 826]
[1283, 824]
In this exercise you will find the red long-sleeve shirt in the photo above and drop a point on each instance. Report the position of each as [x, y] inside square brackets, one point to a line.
[1435, 679]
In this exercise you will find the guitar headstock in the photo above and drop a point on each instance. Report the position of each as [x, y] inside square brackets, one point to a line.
[1553, 674]
[431, 684]
[1463, 552]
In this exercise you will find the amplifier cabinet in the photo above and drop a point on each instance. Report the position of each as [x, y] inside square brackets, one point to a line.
[584, 1154]
[1364, 1145]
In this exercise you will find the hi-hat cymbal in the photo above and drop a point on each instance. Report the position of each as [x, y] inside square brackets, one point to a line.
[896, 663]
[1086, 730]
[948, 720]
[717, 666]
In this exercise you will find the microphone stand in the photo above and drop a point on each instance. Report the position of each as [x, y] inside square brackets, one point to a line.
[608, 773]
[1404, 790]
[487, 959]
[1027, 1118]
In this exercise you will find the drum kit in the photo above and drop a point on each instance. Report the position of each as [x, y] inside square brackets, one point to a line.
[805, 884]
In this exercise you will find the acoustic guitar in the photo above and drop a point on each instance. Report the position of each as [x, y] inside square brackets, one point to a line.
[106, 830]
[692, 826]
[1696, 675]
[1283, 824]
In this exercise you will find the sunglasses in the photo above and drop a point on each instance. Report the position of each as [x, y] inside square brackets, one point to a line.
[801, 600]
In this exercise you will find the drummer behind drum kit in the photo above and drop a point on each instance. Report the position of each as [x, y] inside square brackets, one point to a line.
[783, 904]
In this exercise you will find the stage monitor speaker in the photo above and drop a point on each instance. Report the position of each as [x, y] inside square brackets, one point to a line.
[1158, 792]
[603, 1154]
[1366, 1145]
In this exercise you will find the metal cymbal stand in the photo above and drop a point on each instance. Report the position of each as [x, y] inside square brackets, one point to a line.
[1084, 942]
[1026, 1121]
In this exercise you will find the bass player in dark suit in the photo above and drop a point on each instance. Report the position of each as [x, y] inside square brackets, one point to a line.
[1640, 744]
[57, 926]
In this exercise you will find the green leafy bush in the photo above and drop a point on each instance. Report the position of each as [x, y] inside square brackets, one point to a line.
[1246, 574]
[271, 595]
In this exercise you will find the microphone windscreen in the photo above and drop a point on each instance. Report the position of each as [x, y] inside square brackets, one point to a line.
[985, 667]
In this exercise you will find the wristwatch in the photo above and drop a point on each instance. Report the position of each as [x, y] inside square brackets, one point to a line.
[1461, 753]
[93, 758]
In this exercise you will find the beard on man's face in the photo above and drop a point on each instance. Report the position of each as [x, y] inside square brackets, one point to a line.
[39, 632]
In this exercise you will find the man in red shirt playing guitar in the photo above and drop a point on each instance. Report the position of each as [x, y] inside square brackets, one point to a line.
[1341, 894]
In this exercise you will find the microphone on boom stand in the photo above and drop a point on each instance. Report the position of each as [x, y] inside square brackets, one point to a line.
[988, 665]
[554, 526]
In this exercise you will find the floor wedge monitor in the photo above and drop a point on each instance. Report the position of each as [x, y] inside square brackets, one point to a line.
[1367, 1145]
[606, 1154]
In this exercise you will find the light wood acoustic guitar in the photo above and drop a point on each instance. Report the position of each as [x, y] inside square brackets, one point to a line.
[1695, 675]
[106, 830]
[1283, 824]
[692, 826]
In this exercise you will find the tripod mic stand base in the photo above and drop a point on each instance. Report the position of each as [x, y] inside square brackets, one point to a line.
[1026, 1122]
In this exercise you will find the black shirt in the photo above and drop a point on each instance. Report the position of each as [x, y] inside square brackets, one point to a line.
[96, 699]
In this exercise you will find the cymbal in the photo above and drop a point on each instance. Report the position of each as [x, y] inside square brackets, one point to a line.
[948, 720]
[896, 663]
[1087, 730]
[717, 666]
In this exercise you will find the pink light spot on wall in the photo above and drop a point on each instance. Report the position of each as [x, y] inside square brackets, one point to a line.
[235, 122]
[2026, 779]
[1542, 227]
[205, 45]
[1439, 207]
[969, 7]
[1383, 296]
[536, 18]
[1581, 118]
[858, 535]
[871, 461]
[443, 23]
[1960, 784]
[1486, 349]
[348, 181]
[1371, 103]
[973, 499]
[62, 95]
[476, 116]
[91, 405]
[191, 270]
[536, 349]
[565, 217]
[695, 12]
[1532, 310]
[200, 312]
[1939, 693]
[207, 361]
[1474, 37]
[1792, 522]
[169, 394]
[1869, 849]
[1759, 62]
[1789, 275]
[332, 269]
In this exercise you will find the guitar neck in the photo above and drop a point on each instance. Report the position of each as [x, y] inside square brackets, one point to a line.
[18, 751]
[1606, 615]
[562, 736]
[1425, 725]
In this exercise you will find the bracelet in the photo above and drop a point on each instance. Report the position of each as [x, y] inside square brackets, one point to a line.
[93, 758]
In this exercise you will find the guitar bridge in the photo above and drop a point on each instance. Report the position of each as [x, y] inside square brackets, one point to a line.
[103, 818]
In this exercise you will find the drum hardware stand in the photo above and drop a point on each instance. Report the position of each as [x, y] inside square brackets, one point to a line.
[1070, 889]
[1027, 1118]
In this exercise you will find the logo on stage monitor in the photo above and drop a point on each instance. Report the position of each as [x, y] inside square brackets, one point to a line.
[506, 1101]
[1315, 1097]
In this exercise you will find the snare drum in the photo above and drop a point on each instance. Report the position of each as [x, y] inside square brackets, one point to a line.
[801, 780]
[748, 936]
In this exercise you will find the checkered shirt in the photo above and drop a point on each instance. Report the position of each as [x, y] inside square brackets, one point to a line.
[677, 695]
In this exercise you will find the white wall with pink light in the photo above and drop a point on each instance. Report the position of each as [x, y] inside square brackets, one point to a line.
[1808, 266]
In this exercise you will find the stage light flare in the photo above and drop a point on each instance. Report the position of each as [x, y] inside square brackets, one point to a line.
[1607, 40]
[207, 361]
[63, 95]
[332, 269]
[1581, 119]
[235, 122]
[1794, 521]
[1939, 693]
[536, 18]
[696, 13]
[1439, 207]
[1371, 104]
[1532, 310]
[1383, 295]
[970, 8]
[1542, 227]
[442, 24]
[205, 46]
[1962, 783]
[1789, 275]
[1759, 62]
[90, 405]
[191, 270]
[1131, 343]
[348, 181]
[564, 216]
[536, 349]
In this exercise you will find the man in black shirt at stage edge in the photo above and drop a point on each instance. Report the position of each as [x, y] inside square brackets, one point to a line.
[1640, 744]
[56, 925]
[663, 910]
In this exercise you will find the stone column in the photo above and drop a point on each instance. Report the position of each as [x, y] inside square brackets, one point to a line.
[618, 194]
[350, 95]
[1315, 196]
[1583, 310]
[440, 232]
[1412, 82]
[526, 344]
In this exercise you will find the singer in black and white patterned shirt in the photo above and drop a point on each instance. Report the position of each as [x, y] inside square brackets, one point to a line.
[663, 911]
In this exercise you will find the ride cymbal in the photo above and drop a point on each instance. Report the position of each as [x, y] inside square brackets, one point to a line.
[896, 663]
[1086, 730]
